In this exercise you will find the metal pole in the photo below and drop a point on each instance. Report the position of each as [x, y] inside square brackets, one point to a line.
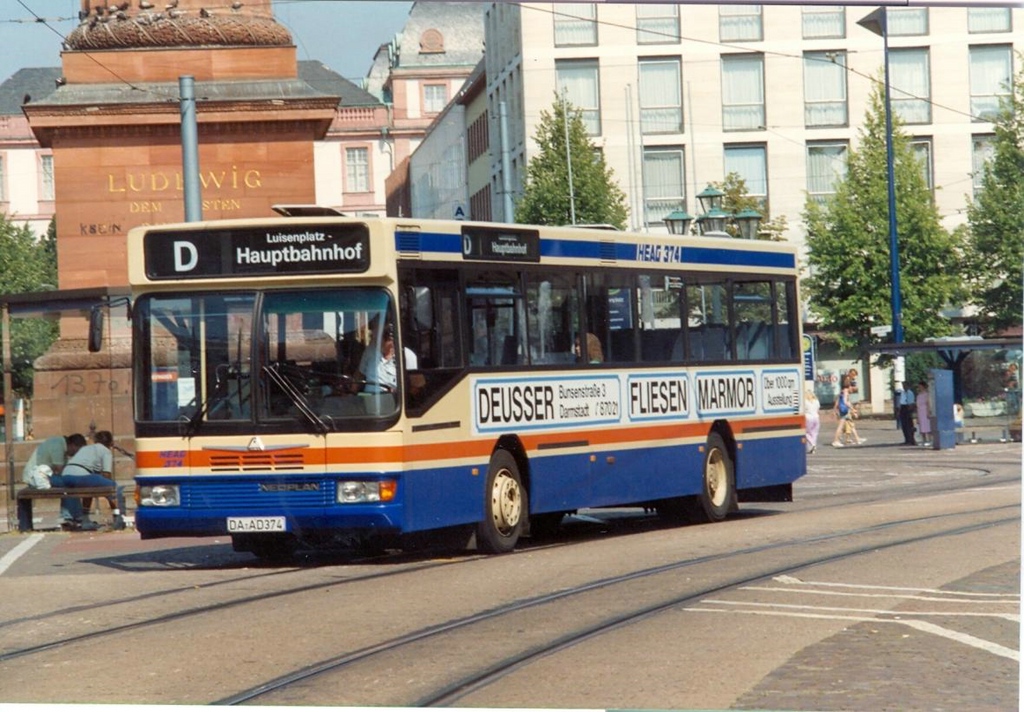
[506, 165]
[894, 253]
[5, 317]
[631, 157]
[190, 150]
[568, 161]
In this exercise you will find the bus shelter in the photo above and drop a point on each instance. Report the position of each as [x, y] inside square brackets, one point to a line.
[70, 385]
[954, 352]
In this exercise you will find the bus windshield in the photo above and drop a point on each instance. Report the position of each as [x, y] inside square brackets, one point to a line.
[223, 361]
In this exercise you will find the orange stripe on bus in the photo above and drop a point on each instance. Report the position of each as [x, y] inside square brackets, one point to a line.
[480, 448]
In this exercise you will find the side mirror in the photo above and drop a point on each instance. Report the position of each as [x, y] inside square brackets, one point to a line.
[96, 330]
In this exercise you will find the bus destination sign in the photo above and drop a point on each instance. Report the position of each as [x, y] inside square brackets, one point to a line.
[503, 245]
[247, 252]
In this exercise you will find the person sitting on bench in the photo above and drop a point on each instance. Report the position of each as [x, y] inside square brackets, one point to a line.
[50, 455]
[91, 466]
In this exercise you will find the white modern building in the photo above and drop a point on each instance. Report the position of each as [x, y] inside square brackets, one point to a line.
[677, 96]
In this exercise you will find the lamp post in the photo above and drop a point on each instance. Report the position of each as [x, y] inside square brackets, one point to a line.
[678, 222]
[714, 218]
[747, 222]
[876, 22]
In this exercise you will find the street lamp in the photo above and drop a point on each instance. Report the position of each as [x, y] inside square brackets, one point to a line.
[876, 22]
[678, 222]
[747, 222]
[714, 218]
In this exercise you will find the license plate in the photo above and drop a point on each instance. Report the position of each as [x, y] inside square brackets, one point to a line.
[250, 525]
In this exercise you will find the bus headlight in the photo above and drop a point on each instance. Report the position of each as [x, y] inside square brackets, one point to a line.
[361, 491]
[158, 496]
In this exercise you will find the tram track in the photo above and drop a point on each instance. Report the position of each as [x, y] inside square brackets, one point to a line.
[114, 608]
[385, 655]
[334, 669]
[56, 617]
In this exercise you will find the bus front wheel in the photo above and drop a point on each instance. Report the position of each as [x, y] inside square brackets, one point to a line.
[505, 506]
[718, 486]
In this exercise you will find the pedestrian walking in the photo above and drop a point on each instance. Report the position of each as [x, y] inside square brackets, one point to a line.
[812, 418]
[844, 413]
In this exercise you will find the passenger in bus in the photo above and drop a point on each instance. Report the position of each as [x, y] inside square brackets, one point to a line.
[594, 352]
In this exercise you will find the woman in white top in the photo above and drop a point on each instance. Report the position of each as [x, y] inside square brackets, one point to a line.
[812, 418]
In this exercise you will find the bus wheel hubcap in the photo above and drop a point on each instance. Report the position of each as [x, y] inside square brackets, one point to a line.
[716, 478]
[506, 502]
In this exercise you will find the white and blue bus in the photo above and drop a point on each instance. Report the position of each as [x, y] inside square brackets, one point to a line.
[330, 379]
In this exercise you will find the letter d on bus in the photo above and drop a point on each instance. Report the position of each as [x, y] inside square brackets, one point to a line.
[185, 256]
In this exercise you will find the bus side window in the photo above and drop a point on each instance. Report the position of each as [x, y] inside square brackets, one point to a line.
[785, 320]
[553, 321]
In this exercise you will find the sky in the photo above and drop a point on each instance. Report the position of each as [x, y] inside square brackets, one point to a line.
[343, 34]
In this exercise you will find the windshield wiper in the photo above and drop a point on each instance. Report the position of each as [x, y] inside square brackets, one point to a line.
[297, 398]
[192, 425]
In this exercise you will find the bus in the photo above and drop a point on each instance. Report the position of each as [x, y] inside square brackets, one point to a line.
[323, 380]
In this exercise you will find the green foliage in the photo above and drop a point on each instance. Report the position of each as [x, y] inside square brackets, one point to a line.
[737, 198]
[545, 199]
[995, 253]
[27, 265]
[848, 245]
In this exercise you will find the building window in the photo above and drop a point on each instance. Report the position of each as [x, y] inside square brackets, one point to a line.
[906, 21]
[575, 24]
[751, 164]
[825, 89]
[661, 98]
[664, 183]
[826, 166]
[983, 151]
[657, 23]
[910, 80]
[435, 97]
[46, 189]
[823, 22]
[742, 92]
[739, 23]
[3, 179]
[357, 170]
[988, 19]
[991, 67]
[480, 204]
[478, 139]
[578, 83]
[922, 148]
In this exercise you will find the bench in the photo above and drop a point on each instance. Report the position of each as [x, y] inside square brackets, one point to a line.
[27, 495]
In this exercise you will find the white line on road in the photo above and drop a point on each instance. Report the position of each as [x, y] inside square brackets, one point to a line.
[14, 554]
[902, 596]
[915, 589]
[924, 627]
[985, 645]
[877, 611]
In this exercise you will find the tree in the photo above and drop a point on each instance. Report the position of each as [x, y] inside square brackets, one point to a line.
[545, 200]
[737, 198]
[995, 253]
[848, 244]
[27, 265]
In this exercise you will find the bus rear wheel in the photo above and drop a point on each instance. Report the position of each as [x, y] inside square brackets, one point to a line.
[718, 484]
[505, 506]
